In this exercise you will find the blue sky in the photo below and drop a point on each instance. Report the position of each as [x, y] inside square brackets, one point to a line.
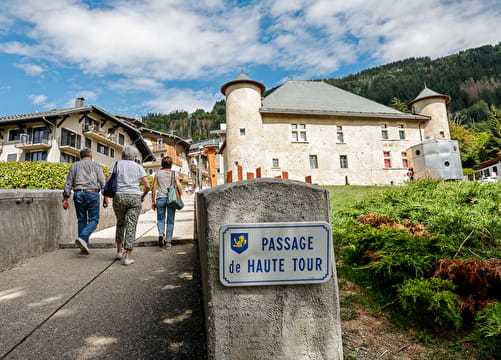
[133, 57]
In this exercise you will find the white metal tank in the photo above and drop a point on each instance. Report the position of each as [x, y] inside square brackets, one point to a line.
[436, 159]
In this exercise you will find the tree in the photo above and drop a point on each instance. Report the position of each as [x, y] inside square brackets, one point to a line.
[471, 143]
[399, 105]
[493, 145]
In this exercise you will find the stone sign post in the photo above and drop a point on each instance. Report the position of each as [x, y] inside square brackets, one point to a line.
[268, 271]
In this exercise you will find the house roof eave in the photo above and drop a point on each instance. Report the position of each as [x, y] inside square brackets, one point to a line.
[403, 116]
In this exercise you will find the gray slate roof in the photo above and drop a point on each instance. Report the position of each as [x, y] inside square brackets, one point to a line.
[316, 97]
[428, 93]
[242, 78]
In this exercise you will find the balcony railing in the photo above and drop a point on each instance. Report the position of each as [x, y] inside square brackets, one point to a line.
[94, 132]
[27, 142]
[159, 147]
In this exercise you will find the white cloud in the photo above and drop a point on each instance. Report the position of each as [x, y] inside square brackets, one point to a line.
[394, 30]
[172, 40]
[147, 44]
[38, 99]
[31, 69]
[168, 40]
[181, 100]
[135, 84]
[41, 100]
[89, 96]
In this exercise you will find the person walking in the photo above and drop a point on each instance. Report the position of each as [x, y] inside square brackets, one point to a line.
[165, 178]
[127, 201]
[85, 178]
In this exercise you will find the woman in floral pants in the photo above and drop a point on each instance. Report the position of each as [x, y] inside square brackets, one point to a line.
[127, 201]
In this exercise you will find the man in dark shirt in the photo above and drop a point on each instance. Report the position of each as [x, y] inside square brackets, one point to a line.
[86, 179]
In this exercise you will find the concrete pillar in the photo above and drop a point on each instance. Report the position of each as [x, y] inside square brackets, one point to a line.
[273, 321]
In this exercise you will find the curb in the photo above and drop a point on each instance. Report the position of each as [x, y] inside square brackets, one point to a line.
[109, 245]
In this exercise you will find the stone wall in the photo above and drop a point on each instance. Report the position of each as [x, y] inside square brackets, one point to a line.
[274, 321]
[33, 222]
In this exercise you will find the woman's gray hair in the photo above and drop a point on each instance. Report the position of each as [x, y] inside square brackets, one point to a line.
[129, 152]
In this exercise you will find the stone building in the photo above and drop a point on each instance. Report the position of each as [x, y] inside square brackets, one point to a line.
[315, 131]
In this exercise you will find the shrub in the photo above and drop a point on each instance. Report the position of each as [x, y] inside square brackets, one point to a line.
[393, 241]
[430, 301]
[33, 175]
[486, 333]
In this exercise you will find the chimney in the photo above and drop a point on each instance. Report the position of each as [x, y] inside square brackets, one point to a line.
[79, 102]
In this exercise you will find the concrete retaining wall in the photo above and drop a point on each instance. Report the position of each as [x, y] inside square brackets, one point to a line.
[265, 322]
[33, 222]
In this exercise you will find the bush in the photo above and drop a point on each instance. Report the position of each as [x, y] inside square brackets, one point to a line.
[486, 333]
[395, 240]
[430, 301]
[33, 175]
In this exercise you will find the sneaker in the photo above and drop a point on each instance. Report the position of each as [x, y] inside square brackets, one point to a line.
[161, 240]
[129, 261]
[119, 256]
[82, 245]
[168, 245]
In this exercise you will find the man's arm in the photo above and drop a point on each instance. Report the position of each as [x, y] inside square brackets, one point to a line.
[68, 185]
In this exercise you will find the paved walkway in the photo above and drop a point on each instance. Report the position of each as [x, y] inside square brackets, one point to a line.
[64, 305]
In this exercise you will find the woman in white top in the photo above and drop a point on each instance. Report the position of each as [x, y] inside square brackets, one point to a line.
[165, 178]
[127, 201]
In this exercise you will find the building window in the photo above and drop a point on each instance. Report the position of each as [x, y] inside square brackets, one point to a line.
[405, 161]
[121, 139]
[40, 135]
[339, 136]
[275, 163]
[88, 143]
[112, 152]
[384, 132]
[313, 162]
[36, 156]
[401, 131]
[442, 134]
[242, 132]
[150, 171]
[298, 132]
[12, 157]
[14, 135]
[387, 159]
[343, 161]
[102, 149]
[91, 125]
[67, 158]
[160, 141]
[69, 138]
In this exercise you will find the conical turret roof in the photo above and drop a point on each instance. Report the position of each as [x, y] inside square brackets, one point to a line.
[242, 78]
[428, 93]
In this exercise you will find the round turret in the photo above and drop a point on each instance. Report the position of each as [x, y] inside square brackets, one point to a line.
[432, 104]
[244, 126]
